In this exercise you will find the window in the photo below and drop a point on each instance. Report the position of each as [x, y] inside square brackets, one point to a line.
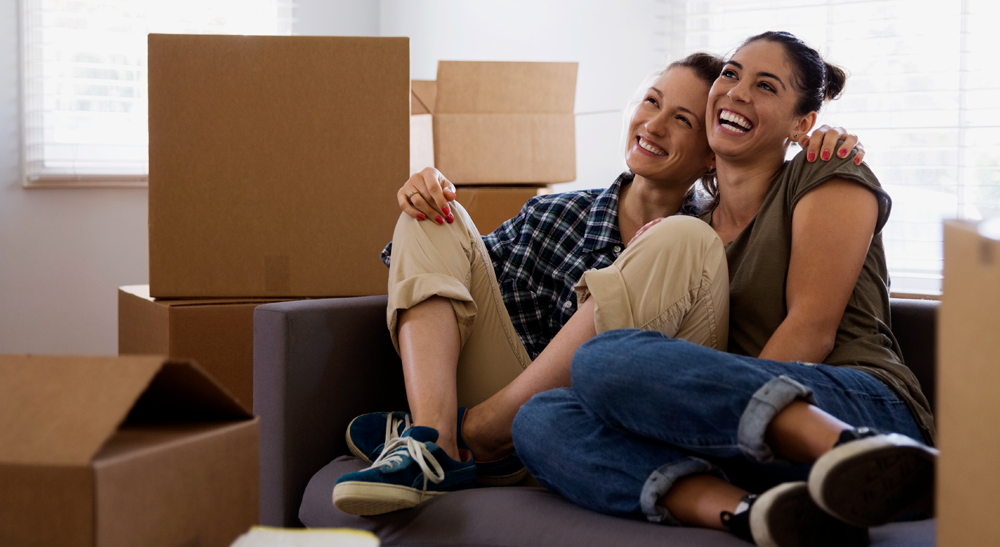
[84, 78]
[921, 95]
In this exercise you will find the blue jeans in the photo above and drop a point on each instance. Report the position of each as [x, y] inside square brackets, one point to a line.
[646, 410]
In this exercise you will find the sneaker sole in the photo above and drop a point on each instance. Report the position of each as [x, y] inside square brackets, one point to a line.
[350, 444]
[872, 481]
[366, 498]
[786, 516]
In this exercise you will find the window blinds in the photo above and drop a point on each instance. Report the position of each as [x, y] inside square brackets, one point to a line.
[84, 77]
[921, 95]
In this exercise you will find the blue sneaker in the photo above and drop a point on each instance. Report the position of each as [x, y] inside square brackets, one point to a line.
[503, 472]
[368, 434]
[411, 470]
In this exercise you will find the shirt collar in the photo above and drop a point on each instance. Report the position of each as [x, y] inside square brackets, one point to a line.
[602, 222]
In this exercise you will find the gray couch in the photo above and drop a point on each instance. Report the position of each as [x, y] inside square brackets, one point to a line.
[319, 363]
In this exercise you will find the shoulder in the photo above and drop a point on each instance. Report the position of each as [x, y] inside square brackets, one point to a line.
[801, 177]
[563, 206]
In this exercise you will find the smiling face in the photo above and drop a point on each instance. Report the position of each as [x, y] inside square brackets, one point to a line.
[667, 132]
[751, 107]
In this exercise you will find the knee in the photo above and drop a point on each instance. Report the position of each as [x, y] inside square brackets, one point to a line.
[685, 231]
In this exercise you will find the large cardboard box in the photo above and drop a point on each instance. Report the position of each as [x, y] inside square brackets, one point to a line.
[216, 334]
[491, 206]
[422, 94]
[274, 163]
[968, 477]
[505, 123]
[109, 452]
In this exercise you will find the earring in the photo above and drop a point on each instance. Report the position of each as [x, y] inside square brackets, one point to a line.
[796, 137]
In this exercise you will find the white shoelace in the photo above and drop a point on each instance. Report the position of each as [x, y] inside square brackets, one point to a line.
[392, 428]
[394, 454]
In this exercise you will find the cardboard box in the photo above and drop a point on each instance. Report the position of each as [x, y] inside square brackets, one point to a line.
[491, 206]
[216, 334]
[108, 452]
[274, 163]
[968, 385]
[505, 123]
[422, 93]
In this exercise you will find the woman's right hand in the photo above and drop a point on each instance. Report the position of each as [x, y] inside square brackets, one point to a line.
[426, 195]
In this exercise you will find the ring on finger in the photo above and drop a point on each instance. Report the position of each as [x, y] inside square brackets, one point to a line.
[410, 195]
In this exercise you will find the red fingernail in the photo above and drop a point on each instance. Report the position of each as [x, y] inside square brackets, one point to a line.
[857, 160]
[421, 216]
[439, 220]
[450, 219]
[445, 210]
[842, 153]
[825, 155]
[811, 156]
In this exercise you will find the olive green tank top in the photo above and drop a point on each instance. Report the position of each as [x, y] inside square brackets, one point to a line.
[758, 268]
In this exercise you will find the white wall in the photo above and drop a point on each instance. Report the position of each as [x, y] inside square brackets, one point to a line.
[63, 253]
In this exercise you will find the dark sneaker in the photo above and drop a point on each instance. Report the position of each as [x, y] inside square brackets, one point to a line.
[368, 434]
[503, 472]
[411, 470]
[786, 516]
[869, 478]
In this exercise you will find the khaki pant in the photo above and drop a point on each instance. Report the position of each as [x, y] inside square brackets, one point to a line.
[673, 279]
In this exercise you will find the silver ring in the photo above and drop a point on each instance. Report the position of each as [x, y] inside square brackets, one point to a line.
[410, 195]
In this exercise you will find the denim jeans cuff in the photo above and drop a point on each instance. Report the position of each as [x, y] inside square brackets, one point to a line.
[765, 404]
[662, 480]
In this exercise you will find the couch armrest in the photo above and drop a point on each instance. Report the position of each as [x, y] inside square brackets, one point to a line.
[317, 364]
[914, 323]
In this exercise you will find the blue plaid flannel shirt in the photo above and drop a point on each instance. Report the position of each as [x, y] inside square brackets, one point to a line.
[540, 254]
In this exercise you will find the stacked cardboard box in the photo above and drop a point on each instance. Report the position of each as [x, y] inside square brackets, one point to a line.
[105, 451]
[503, 132]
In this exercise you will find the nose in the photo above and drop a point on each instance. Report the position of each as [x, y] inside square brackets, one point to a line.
[658, 125]
[739, 92]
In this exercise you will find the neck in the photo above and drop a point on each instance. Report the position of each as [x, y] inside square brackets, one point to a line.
[644, 200]
[742, 187]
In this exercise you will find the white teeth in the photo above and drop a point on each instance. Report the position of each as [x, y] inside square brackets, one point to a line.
[736, 119]
[645, 146]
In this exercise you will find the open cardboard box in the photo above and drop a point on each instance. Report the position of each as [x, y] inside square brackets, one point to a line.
[505, 122]
[126, 451]
[968, 477]
[274, 163]
[215, 333]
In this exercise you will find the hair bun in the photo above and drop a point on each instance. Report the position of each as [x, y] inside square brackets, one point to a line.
[836, 79]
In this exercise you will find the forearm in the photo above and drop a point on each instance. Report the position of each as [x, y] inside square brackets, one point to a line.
[800, 340]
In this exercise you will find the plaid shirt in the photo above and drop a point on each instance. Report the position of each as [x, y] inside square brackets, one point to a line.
[540, 254]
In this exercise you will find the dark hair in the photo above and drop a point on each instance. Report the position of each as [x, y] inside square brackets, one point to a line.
[816, 80]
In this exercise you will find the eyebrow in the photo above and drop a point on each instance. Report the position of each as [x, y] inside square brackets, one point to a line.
[681, 108]
[658, 92]
[765, 74]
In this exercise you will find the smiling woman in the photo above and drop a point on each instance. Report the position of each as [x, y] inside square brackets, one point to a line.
[655, 426]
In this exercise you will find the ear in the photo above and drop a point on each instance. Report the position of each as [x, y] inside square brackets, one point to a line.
[804, 125]
[711, 164]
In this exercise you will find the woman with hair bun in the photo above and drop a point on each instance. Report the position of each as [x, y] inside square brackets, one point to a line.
[812, 409]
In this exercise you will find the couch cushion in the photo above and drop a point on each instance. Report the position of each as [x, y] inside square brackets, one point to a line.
[516, 516]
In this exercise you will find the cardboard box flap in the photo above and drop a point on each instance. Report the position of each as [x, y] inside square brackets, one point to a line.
[505, 88]
[183, 392]
[60, 410]
[142, 291]
[423, 94]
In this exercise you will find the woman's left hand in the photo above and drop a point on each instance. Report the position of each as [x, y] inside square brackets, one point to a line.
[821, 143]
